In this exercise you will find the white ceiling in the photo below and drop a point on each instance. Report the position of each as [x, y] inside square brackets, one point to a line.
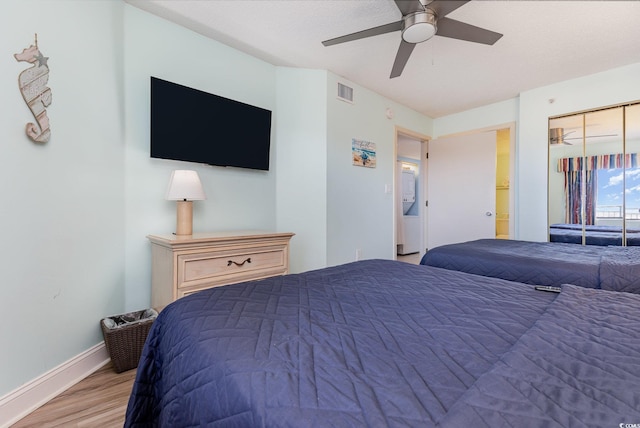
[544, 42]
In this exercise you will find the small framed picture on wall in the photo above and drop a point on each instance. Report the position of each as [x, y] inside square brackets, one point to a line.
[363, 153]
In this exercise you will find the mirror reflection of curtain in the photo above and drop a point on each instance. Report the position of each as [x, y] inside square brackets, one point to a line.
[576, 171]
[591, 196]
[573, 184]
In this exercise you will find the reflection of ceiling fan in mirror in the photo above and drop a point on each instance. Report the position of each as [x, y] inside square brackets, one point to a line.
[558, 136]
[421, 20]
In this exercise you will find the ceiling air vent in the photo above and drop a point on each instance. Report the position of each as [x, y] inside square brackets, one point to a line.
[345, 93]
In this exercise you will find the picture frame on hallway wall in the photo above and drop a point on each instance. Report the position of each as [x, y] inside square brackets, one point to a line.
[363, 153]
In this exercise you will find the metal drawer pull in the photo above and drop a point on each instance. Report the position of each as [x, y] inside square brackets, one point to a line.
[231, 262]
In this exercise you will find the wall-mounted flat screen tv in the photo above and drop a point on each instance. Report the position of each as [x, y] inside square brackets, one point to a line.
[195, 126]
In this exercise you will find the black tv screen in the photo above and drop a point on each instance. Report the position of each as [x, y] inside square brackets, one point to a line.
[196, 126]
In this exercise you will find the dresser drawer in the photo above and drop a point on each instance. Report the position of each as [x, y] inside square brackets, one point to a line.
[225, 267]
[185, 264]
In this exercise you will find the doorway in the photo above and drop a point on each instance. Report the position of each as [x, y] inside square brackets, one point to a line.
[470, 196]
[409, 196]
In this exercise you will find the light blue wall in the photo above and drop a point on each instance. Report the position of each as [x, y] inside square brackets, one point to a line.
[501, 113]
[236, 198]
[301, 155]
[333, 206]
[62, 211]
[360, 215]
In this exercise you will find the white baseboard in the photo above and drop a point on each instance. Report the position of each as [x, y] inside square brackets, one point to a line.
[25, 399]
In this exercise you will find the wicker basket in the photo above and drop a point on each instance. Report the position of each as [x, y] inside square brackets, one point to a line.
[125, 335]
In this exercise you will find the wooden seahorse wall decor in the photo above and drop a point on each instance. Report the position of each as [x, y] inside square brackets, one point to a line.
[33, 86]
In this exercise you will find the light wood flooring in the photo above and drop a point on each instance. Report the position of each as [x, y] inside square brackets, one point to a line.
[100, 400]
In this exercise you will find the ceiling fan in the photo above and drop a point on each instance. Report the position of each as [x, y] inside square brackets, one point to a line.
[419, 23]
[558, 136]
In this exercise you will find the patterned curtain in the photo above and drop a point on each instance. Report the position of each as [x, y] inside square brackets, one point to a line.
[575, 169]
[573, 185]
[630, 160]
[591, 196]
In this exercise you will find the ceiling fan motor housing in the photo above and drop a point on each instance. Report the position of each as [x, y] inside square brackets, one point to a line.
[555, 135]
[419, 26]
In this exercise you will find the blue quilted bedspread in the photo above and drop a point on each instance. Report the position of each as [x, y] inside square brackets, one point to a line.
[544, 263]
[578, 366]
[620, 270]
[381, 343]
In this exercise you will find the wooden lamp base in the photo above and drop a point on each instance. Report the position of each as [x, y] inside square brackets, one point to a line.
[184, 224]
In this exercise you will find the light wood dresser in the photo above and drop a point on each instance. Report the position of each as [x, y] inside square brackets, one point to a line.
[181, 265]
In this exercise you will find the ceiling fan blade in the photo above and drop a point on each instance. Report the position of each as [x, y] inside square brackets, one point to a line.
[404, 52]
[592, 136]
[556, 142]
[442, 8]
[409, 6]
[375, 31]
[459, 30]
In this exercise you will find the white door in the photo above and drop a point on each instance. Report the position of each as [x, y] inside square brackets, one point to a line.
[462, 188]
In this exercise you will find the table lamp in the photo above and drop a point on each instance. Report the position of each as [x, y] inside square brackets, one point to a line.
[184, 187]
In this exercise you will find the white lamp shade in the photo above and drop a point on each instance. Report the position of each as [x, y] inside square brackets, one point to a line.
[185, 185]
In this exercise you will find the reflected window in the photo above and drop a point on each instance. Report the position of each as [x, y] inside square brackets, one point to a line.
[594, 177]
[610, 203]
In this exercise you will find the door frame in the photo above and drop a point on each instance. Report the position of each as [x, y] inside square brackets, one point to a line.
[423, 212]
[513, 167]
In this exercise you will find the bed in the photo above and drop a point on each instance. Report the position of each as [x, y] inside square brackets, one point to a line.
[543, 263]
[384, 343]
[594, 234]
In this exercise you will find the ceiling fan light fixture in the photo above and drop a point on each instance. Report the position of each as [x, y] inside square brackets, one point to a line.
[419, 27]
[555, 135]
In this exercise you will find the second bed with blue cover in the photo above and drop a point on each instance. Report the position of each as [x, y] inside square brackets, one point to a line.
[543, 263]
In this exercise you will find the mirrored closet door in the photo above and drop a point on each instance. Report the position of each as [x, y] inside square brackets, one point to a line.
[594, 177]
